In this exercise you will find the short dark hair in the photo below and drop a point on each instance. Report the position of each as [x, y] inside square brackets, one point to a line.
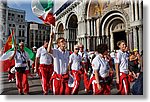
[119, 42]
[101, 48]
[59, 39]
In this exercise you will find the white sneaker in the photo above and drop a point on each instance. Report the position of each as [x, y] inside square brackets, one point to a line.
[9, 81]
[12, 79]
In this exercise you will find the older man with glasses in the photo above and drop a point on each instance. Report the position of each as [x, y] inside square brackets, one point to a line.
[21, 62]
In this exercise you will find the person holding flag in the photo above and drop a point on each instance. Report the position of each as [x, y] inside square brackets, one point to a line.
[21, 63]
[60, 75]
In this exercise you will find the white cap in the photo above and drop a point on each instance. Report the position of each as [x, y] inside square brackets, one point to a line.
[34, 47]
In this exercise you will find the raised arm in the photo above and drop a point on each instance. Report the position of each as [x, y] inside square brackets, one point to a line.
[12, 57]
[49, 49]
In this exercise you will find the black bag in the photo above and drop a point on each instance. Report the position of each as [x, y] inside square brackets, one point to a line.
[20, 69]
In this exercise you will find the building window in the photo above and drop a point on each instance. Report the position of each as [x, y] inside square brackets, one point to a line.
[18, 15]
[19, 26]
[9, 14]
[13, 25]
[22, 33]
[19, 33]
[9, 25]
[21, 16]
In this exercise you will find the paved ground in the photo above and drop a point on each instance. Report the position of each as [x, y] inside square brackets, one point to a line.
[9, 88]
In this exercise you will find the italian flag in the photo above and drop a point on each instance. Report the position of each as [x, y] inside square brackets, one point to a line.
[43, 9]
[5, 63]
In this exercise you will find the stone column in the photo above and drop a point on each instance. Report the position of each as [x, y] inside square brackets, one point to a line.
[91, 27]
[136, 10]
[131, 40]
[88, 43]
[132, 11]
[88, 27]
[135, 37]
[111, 41]
[94, 21]
[140, 9]
[140, 34]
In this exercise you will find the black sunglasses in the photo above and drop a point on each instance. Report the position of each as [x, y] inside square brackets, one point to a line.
[76, 48]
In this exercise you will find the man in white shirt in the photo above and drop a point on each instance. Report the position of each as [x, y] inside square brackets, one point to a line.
[100, 71]
[61, 59]
[121, 64]
[46, 68]
[21, 62]
[75, 65]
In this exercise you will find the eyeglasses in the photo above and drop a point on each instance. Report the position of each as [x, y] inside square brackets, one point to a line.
[76, 48]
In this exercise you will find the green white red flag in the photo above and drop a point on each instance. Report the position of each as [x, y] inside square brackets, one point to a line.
[43, 9]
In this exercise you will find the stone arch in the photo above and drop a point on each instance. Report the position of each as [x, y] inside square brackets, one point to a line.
[111, 14]
[60, 29]
[91, 8]
[71, 30]
[113, 27]
[68, 18]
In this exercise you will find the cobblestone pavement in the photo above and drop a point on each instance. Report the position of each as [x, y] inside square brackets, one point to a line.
[9, 88]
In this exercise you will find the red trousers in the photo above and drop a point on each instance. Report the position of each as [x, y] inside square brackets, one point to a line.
[77, 78]
[60, 84]
[46, 73]
[11, 76]
[84, 71]
[124, 84]
[22, 82]
[91, 84]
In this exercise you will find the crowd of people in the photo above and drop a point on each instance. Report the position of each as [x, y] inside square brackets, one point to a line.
[61, 71]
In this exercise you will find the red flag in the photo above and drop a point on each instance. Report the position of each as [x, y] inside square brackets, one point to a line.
[8, 44]
[50, 19]
[8, 64]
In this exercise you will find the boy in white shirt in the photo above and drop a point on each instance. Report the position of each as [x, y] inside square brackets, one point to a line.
[45, 67]
[75, 65]
[60, 76]
[121, 64]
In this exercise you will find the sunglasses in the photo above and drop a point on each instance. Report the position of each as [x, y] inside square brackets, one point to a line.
[76, 48]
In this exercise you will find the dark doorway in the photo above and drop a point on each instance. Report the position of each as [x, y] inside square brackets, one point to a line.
[119, 36]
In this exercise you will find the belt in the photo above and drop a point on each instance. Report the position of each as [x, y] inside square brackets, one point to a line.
[45, 66]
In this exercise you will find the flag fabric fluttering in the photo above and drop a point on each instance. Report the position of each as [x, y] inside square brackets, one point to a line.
[43, 9]
[8, 51]
[10, 43]
[5, 58]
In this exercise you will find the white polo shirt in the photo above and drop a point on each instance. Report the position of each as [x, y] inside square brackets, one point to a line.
[20, 57]
[122, 59]
[45, 57]
[61, 60]
[75, 61]
[84, 56]
[101, 65]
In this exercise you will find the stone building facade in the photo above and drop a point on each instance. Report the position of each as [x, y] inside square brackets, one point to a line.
[92, 22]
[37, 37]
[11, 18]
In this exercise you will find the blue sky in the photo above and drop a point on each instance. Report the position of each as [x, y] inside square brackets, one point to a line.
[26, 5]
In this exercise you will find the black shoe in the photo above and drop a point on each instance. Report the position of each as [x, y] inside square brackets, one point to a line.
[21, 93]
